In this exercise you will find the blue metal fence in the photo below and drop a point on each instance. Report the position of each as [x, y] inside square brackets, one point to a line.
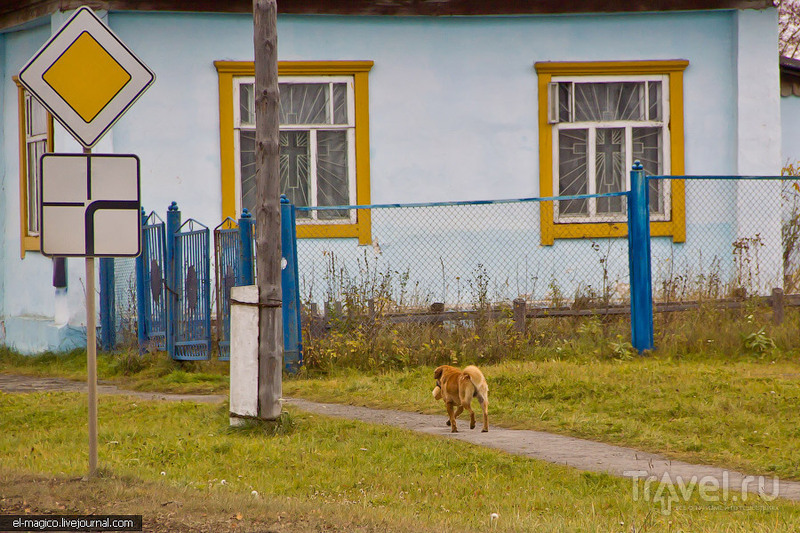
[639, 260]
[192, 283]
[292, 340]
[151, 302]
[108, 329]
[174, 284]
[233, 252]
[226, 251]
[424, 257]
[174, 303]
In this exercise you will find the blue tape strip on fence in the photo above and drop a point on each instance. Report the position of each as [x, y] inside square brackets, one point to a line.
[466, 202]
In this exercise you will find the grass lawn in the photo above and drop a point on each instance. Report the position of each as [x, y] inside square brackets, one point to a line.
[181, 462]
[736, 414]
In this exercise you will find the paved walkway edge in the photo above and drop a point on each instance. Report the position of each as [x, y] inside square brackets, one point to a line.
[577, 453]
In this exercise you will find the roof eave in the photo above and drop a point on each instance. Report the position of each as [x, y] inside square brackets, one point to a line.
[14, 12]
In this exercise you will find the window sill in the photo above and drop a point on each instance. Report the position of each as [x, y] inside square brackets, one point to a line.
[29, 244]
[675, 227]
[604, 230]
[360, 230]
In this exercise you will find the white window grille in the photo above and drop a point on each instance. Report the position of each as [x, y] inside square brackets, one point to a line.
[317, 143]
[36, 140]
[601, 125]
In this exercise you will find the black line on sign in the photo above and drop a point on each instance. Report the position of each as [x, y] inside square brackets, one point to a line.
[63, 204]
[89, 177]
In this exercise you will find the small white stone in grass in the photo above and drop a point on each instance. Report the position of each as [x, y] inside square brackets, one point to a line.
[255, 494]
[223, 482]
[363, 449]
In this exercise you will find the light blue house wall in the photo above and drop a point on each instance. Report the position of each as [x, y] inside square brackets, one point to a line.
[26, 292]
[453, 101]
[453, 115]
[790, 123]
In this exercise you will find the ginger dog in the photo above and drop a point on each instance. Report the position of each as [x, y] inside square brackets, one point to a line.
[457, 388]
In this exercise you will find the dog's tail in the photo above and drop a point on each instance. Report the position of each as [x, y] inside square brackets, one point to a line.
[478, 382]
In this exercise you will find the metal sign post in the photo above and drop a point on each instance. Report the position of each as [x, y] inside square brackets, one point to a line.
[88, 204]
[91, 364]
[91, 356]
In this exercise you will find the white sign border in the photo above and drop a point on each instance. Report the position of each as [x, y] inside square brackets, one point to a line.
[31, 77]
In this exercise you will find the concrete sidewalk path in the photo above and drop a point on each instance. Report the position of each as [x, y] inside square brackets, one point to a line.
[577, 453]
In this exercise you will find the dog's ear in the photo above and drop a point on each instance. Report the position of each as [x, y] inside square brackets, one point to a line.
[438, 372]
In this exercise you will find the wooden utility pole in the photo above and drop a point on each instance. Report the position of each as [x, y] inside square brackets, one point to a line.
[268, 210]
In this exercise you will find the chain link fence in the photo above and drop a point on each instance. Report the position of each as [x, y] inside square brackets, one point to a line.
[125, 301]
[732, 285]
[473, 281]
[439, 281]
[735, 243]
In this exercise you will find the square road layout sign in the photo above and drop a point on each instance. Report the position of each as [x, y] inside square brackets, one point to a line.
[90, 205]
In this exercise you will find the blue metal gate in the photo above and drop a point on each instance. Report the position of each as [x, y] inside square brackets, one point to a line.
[191, 283]
[151, 301]
[233, 247]
[174, 283]
[226, 251]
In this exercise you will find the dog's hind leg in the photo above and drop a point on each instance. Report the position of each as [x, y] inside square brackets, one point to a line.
[467, 405]
[453, 428]
[485, 408]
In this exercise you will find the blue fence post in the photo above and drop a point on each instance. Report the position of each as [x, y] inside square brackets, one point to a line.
[292, 341]
[639, 260]
[173, 225]
[141, 311]
[207, 293]
[245, 274]
[108, 330]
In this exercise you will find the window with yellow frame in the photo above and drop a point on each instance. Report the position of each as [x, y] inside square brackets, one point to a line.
[595, 120]
[35, 139]
[324, 141]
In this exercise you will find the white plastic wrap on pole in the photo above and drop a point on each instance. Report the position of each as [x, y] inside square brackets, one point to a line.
[244, 354]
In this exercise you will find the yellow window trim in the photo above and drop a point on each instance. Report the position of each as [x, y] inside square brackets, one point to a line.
[676, 226]
[227, 70]
[27, 242]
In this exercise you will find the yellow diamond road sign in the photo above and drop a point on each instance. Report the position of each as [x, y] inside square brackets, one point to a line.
[102, 77]
[86, 77]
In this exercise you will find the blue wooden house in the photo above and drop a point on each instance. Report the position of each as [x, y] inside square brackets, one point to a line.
[416, 101]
